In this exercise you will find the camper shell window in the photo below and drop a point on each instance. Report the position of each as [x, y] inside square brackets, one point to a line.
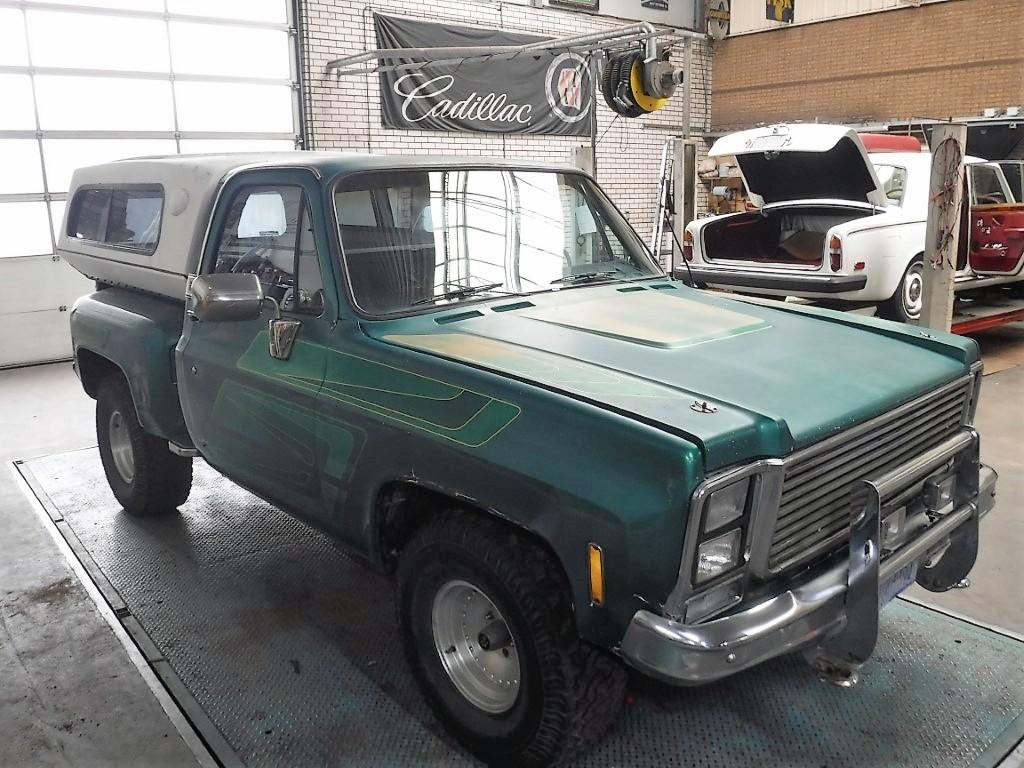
[122, 216]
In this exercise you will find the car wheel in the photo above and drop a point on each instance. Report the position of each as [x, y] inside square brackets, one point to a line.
[146, 478]
[489, 632]
[906, 303]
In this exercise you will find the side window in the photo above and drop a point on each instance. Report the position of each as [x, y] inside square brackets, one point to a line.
[986, 186]
[268, 233]
[894, 182]
[126, 216]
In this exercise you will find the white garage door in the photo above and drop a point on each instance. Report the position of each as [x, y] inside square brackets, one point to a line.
[84, 82]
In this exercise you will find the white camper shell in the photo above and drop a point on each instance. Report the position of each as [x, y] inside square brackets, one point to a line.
[141, 223]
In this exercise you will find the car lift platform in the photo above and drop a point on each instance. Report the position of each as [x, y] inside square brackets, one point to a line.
[281, 650]
[984, 310]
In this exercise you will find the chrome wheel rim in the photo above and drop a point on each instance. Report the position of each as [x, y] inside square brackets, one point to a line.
[913, 289]
[121, 447]
[475, 646]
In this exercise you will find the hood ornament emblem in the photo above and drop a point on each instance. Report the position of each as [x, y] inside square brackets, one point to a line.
[702, 406]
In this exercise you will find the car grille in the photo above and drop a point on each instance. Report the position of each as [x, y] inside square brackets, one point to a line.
[817, 489]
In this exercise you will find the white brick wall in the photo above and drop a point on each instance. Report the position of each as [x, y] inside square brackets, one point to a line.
[343, 113]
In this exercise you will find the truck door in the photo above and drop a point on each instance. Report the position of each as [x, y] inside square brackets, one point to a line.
[253, 416]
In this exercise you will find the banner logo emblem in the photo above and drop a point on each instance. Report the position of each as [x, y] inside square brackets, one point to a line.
[567, 86]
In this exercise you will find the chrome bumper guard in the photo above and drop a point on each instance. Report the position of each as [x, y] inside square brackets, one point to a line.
[835, 613]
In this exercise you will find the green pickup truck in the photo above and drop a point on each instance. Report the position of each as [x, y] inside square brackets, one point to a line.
[473, 374]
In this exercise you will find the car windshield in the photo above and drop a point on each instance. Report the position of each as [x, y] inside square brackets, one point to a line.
[422, 238]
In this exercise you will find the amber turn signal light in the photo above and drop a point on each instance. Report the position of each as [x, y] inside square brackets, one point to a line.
[596, 557]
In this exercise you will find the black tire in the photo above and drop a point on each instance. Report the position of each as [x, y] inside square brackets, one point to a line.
[900, 306]
[569, 692]
[159, 481]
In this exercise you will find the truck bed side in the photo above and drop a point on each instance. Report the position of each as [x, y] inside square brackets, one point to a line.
[119, 330]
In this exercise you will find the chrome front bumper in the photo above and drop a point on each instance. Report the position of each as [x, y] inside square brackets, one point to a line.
[824, 611]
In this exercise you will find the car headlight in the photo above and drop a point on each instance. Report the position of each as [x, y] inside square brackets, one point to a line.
[725, 505]
[718, 555]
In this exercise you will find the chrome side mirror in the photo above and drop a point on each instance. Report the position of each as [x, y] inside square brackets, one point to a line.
[239, 296]
[226, 296]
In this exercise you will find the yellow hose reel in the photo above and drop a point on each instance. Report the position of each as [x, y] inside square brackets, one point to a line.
[632, 87]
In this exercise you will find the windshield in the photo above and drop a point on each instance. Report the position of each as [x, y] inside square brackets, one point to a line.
[429, 237]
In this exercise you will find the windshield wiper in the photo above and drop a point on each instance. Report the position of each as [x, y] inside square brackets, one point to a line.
[580, 277]
[458, 293]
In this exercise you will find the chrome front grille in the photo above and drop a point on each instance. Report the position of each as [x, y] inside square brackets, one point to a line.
[814, 510]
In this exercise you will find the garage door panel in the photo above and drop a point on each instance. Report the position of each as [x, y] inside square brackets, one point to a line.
[115, 42]
[216, 49]
[251, 10]
[20, 171]
[38, 283]
[63, 156]
[236, 145]
[234, 107]
[35, 337]
[113, 83]
[17, 113]
[129, 5]
[13, 50]
[104, 103]
[24, 229]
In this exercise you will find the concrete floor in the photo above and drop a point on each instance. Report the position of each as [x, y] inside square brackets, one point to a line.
[69, 692]
[71, 696]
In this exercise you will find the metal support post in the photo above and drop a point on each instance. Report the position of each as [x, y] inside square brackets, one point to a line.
[942, 236]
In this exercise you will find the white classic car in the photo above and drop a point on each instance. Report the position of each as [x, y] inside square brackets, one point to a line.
[835, 221]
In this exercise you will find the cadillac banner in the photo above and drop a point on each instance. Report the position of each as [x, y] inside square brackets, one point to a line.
[545, 92]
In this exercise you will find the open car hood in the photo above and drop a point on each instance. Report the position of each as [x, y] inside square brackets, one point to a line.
[785, 162]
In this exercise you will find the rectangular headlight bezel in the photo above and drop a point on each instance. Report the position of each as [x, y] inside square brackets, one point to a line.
[764, 479]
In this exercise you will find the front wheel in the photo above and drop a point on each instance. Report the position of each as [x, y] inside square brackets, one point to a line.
[489, 632]
[146, 478]
[906, 303]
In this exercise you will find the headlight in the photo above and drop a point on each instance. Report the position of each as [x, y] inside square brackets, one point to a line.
[725, 505]
[718, 555]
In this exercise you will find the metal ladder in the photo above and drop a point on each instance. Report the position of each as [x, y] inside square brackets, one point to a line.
[664, 201]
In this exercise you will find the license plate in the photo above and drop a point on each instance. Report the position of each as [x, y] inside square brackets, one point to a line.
[898, 582]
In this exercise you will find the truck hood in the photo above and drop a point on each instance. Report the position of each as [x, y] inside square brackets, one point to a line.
[740, 379]
[799, 162]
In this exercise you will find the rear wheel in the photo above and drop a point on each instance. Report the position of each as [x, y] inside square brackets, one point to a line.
[146, 478]
[906, 303]
[488, 630]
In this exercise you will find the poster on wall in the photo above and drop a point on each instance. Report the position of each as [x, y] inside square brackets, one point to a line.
[779, 10]
[549, 92]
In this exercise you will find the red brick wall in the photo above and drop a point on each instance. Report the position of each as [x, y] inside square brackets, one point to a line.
[937, 60]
